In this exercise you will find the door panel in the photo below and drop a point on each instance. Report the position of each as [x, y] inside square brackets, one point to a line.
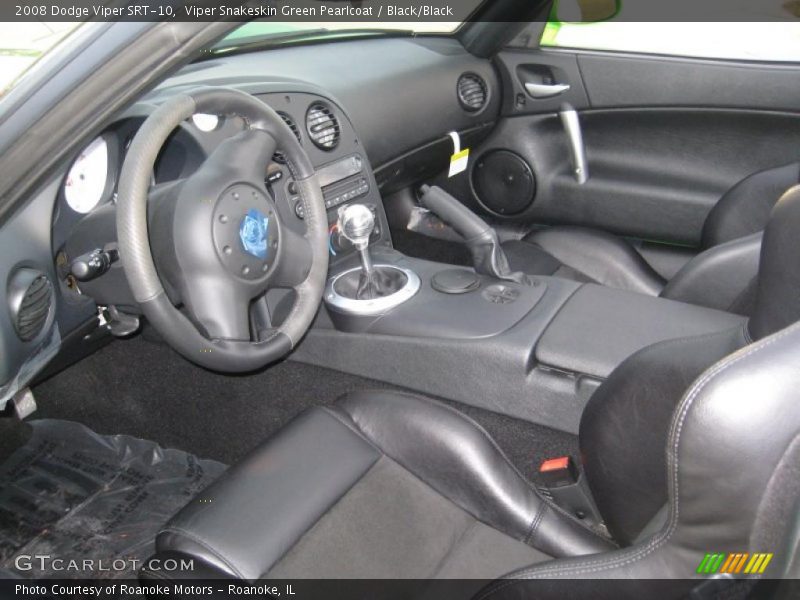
[623, 80]
[664, 137]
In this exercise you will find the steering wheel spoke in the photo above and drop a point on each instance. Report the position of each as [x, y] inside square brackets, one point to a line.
[221, 310]
[296, 264]
[260, 318]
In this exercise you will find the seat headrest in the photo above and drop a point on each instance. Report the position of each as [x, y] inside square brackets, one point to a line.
[778, 294]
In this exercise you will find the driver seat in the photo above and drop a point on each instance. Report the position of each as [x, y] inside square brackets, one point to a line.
[691, 446]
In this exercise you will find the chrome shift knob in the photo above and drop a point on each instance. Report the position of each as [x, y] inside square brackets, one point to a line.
[356, 223]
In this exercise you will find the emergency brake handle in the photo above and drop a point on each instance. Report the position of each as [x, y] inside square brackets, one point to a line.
[488, 256]
[466, 223]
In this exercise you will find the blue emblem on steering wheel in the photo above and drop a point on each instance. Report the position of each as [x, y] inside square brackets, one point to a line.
[254, 233]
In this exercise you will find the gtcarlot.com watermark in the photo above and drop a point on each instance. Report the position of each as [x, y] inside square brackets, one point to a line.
[47, 564]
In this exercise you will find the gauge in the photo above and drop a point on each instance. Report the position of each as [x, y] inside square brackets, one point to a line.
[205, 122]
[87, 178]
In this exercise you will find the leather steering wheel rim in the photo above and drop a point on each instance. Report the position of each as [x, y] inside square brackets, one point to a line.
[264, 125]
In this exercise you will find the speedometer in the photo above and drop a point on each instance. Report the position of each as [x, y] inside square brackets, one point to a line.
[87, 178]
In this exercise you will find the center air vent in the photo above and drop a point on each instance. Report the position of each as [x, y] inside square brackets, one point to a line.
[30, 295]
[472, 92]
[322, 126]
[280, 157]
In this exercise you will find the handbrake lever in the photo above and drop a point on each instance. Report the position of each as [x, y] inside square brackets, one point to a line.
[488, 256]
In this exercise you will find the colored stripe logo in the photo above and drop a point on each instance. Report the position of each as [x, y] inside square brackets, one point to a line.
[734, 563]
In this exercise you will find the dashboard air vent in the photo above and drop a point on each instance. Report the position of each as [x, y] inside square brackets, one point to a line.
[280, 157]
[30, 296]
[472, 92]
[322, 126]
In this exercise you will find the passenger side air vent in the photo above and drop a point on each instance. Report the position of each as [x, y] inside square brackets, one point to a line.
[280, 157]
[472, 92]
[30, 297]
[322, 126]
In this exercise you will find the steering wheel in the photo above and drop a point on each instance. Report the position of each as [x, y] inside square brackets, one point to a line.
[218, 238]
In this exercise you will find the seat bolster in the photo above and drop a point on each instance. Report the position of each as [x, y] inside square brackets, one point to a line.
[745, 208]
[456, 457]
[600, 256]
[718, 277]
[243, 523]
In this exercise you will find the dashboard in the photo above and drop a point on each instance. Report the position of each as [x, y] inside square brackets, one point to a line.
[85, 219]
[362, 110]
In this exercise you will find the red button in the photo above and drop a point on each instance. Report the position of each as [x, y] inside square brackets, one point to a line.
[554, 464]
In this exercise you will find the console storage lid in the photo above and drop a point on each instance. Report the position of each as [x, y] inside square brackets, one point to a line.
[599, 327]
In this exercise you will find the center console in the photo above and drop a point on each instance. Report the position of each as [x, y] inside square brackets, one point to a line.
[531, 347]
[535, 348]
[535, 351]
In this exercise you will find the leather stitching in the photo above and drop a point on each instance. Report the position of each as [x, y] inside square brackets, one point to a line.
[631, 556]
[534, 528]
[746, 333]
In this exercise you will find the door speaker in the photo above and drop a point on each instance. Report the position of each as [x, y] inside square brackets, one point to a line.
[503, 182]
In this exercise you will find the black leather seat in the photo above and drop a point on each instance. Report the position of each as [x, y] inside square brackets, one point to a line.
[720, 276]
[690, 446]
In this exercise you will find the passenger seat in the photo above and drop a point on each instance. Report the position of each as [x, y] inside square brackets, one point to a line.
[722, 276]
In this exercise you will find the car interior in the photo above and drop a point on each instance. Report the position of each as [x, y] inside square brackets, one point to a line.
[270, 320]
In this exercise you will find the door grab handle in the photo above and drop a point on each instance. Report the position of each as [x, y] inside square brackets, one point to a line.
[572, 127]
[545, 90]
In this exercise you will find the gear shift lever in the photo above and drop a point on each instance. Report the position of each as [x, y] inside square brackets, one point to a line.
[356, 223]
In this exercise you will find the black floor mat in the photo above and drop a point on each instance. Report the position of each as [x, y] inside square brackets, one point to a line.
[13, 434]
[72, 495]
[146, 390]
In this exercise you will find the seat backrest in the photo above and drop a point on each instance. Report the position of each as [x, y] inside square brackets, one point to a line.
[745, 208]
[625, 425]
[733, 476]
[778, 295]
[723, 275]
